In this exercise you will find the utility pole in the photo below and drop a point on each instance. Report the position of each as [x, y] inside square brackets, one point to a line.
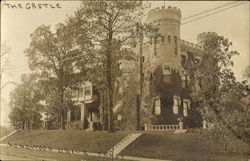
[141, 76]
[0, 82]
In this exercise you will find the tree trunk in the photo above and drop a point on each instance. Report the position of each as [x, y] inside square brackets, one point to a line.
[225, 146]
[62, 109]
[62, 120]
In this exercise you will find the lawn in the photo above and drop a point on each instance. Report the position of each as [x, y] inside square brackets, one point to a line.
[158, 145]
[4, 131]
[184, 147]
[51, 155]
[70, 139]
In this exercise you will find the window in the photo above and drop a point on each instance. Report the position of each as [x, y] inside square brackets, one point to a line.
[186, 106]
[177, 102]
[166, 70]
[74, 93]
[157, 106]
[81, 92]
[169, 38]
[87, 90]
[183, 59]
[184, 80]
[143, 59]
[175, 52]
[162, 38]
[175, 39]
[185, 109]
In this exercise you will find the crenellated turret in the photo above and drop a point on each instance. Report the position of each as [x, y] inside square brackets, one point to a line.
[205, 36]
[167, 44]
[162, 13]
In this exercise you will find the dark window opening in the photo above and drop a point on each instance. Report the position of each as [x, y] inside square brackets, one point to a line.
[169, 38]
[162, 38]
[183, 59]
[175, 39]
[143, 58]
[175, 51]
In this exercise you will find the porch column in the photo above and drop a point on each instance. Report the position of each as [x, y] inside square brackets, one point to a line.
[82, 114]
[68, 115]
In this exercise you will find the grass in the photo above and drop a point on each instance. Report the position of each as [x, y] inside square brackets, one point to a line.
[183, 147]
[158, 145]
[4, 131]
[70, 139]
[51, 155]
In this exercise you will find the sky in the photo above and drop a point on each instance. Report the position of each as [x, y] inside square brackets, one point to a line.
[19, 22]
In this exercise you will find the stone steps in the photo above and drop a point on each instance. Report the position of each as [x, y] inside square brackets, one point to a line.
[123, 144]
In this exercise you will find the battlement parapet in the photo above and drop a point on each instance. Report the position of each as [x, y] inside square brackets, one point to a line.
[162, 13]
[191, 45]
[168, 9]
[206, 36]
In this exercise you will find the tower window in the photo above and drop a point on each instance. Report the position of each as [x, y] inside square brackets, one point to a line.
[143, 59]
[175, 39]
[162, 38]
[175, 52]
[169, 38]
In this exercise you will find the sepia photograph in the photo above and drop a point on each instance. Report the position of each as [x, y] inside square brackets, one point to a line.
[124, 80]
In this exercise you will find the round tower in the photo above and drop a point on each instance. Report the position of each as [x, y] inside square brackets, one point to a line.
[205, 36]
[167, 44]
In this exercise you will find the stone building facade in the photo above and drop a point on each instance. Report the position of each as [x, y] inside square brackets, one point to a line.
[166, 90]
[165, 93]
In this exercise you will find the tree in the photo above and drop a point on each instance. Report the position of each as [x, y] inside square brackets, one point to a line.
[48, 56]
[107, 28]
[25, 104]
[216, 93]
[5, 51]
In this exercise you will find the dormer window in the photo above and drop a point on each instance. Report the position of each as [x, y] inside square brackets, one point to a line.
[166, 70]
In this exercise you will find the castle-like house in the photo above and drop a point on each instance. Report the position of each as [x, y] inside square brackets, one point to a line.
[166, 84]
[165, 78]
